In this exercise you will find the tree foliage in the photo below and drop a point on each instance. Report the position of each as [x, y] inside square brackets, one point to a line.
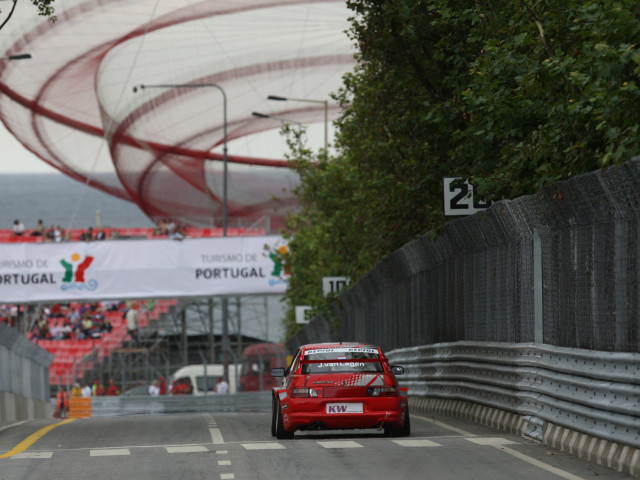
[512, 94]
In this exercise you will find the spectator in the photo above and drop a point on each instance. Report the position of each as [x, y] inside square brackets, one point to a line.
[50, 234]
[86, 390]
[131, 316]
[87, 327]
[42, 328]
[222, 387]
[76, 391]
[100, 235]
[66, 331]
[105, 325]
[161, 229]
[112, 390]
[39, 231]
[56, 331]
[181, 386]
[98, 389]
[58, 234]
[87, 236]
[62, 404]
[56, 311]
[18, 228]
[175, 233]
[154, 391]
[74, 317]
[162, 386]
[98, 318]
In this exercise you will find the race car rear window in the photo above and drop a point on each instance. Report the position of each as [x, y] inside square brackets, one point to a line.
[342, 360]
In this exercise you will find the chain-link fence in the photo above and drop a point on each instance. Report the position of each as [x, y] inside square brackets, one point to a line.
[560, 267]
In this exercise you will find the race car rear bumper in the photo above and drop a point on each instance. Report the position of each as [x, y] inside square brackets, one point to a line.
[343, 413]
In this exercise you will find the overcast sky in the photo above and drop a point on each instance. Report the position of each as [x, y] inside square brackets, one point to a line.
[14, 158]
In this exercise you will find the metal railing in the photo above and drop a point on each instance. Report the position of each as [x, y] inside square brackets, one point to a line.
[105, 406]
[597, 393]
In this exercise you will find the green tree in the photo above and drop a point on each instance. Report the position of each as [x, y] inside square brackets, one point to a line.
[513, 95]
[45, 8]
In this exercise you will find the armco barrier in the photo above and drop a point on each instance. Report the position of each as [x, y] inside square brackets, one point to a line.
[145, 405]
[581, 401]
[24, 378]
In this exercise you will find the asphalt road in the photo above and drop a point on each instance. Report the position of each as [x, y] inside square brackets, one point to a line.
[240, 446]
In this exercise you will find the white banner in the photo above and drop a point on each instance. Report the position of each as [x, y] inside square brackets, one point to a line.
[121, 269]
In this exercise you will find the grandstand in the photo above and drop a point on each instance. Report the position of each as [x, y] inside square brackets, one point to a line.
[74, 357]
[74, 235]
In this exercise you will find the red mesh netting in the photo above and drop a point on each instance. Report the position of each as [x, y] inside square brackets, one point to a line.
[73, 103]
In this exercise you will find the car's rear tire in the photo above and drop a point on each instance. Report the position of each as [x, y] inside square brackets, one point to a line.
[274, 406]
[406, 428]
[403, 431]
[281, 434]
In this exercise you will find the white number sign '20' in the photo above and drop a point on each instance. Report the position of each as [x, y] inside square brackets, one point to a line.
[459, 198]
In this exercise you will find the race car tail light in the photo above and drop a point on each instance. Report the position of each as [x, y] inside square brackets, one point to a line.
[386, 391]
[304, 392]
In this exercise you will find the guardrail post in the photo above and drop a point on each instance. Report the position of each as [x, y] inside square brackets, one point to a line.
[621, 282]
[537, 287]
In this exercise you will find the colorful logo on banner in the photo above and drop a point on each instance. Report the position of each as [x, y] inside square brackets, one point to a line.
[74, 278]
[280, 272]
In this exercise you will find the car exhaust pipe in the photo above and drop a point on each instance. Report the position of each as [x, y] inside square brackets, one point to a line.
[318, 426]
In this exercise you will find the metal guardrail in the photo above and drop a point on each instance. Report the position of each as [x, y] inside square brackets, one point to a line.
[146, 405]
[597, 393]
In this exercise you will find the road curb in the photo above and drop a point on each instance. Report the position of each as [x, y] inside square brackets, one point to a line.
[616, 456]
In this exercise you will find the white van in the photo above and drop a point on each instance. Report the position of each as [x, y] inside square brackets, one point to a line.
[190, 379]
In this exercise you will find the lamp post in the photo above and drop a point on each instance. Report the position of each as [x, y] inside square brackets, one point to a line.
[284, 120]
[22, 56]
[225, 300]
[326, 111]
[224, 150]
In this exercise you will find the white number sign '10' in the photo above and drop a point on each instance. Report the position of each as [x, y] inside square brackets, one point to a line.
[459, 198]
[334, 284]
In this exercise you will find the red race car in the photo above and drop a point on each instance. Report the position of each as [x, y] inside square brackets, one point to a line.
[339, 386]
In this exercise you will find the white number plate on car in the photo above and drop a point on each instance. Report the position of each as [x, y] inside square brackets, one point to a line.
[344, 407]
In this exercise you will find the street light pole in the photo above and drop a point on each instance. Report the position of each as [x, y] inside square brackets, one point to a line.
[326, 112]
[225, 300]
[224, 150]
[283, 120]
[22, 56]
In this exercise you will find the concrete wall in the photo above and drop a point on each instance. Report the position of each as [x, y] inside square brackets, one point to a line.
[24, 378]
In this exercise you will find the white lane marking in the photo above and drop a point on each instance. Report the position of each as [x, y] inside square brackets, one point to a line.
[13, 425]
[263, 446]
[222, 452]
[416, 443]
[542, 465]
[109, 452]
[33, 455]
[216, 436]
[444, 425]
[500, 443]
[187, 449]
[225, 476]
[340, 444]
[224, 462]
[492, 441]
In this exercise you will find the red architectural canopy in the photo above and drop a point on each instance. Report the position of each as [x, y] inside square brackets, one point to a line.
[73, 103]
